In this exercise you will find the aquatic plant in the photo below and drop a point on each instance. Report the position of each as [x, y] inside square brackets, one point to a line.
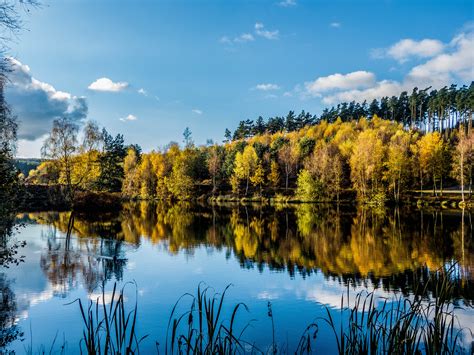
[404, 325]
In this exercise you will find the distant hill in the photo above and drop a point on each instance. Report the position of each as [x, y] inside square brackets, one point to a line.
[26, 165]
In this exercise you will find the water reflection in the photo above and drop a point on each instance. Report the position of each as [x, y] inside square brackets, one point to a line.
[95, 257]
[391, 248]
[9, 330]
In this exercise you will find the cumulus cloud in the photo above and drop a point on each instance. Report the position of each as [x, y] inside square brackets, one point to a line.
[266, 87]
[357, 79]
[454, 64]
[142, 91]
[379, 89]
[287, 3]
[262, 32]
[406, 49]
[107, 85]
[129, 118]
[197, 111]
[37, 104]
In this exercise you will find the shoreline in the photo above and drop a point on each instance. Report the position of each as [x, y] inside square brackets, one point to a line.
[51, 197]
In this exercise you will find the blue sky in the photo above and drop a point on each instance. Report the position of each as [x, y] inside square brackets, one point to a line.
[208, 64]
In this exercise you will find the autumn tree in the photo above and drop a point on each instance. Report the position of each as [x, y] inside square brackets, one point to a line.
[366, 164]
[463, 160]
[288, 157]
[131, 182]
[60, 146]
[325, 165]
[245, 165]
[398, 162]
[433, 158]
[274, 176]
[214, 164]
[258, 177]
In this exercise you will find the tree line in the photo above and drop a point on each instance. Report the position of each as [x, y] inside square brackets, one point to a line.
[377, 159]
[426, 109]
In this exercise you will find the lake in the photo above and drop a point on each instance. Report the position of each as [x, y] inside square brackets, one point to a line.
[300, 258]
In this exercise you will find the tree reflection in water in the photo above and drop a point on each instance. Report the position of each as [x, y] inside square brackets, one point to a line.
[95, 256]
[393, 248]
[9, 330]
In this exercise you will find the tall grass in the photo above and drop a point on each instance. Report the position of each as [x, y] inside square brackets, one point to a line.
[417, 325]
[203, 330]
[109, 328]
[424, 323]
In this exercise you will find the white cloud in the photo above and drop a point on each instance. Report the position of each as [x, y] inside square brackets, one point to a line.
[244, 37]
[287, 3]
[225, 40]
[357, 79]
[335, 24]
[447, 67]
[142, 91]
[267, 87]
[287, 94]
[37, 104]
[380, 89]
[129, 118]
[197, 111]
[105, 84]
[453, 65]
[262, 32]
[408, 48]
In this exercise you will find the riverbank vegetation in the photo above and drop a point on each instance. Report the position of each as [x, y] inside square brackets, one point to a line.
[349, 152]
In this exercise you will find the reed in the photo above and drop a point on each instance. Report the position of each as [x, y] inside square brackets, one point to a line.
[417, 325]
[109, 328]
[202, 330]
[424, 323]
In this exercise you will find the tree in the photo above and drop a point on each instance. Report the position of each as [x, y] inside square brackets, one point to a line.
[9, 184]
[307, 187]
[258, 177]
[366, 164]
[130, 186]
[227, 136]
[214, 164]
[398, 162]
[60, 146]
[188, 140]
[274, 177]
[147, 177]
[432, 155]
[111, 162]
[325, 166]
[245, 164]
[288, 157]
[463, 162]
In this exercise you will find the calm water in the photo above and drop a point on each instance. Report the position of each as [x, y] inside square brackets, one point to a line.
[301, 259]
